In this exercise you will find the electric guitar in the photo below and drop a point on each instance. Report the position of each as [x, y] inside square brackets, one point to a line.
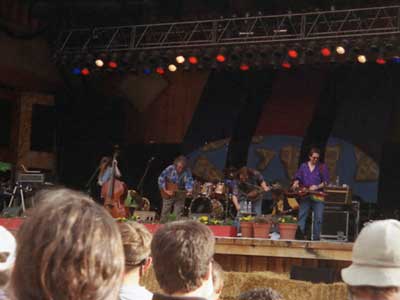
[301, 192]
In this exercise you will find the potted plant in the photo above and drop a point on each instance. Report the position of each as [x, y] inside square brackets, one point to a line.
[287, 227]
[261, 227]
[246, 226]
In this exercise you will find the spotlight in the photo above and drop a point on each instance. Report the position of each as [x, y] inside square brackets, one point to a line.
[340, 50]
[147, 70]
[112, 64]
[244, 67]
[99, 62]
[362, 59]
[160, 70]
[396, 59]
[326, 52]
[380, 61]
[292, 53]
[85, 72]
[193, 60]
[180, 59]
[172, 68]
[220, 58]
[286, 65]
[76, 71]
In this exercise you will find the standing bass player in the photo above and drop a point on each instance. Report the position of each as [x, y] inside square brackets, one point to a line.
[175, 183]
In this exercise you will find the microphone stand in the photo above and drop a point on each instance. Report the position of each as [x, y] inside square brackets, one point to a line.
[89, 183]
[139, 187]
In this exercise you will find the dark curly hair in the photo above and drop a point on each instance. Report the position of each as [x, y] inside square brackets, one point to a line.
[260, 294]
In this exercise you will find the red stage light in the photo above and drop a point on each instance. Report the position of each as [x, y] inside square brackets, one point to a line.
[380, 61]
[286, 65]
[326, 52]
[293, 53]
[220, 58]
[85, 72]
[160, 71]
[193, 60]
[112, 64]
[244, 67]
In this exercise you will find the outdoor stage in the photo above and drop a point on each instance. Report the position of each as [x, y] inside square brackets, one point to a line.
[250, 254]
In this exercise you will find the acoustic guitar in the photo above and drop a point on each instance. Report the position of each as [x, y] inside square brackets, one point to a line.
[169, 186]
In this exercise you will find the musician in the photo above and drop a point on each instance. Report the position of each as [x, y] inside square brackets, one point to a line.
[232, 185]
[251, 187]
[312, 175]
[105, 170]
[179, 174]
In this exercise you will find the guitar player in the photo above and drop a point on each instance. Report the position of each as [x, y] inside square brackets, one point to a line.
[312, 175]
[175, 184]
[251, 188]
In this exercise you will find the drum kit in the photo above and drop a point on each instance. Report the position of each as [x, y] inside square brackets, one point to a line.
[210, 199]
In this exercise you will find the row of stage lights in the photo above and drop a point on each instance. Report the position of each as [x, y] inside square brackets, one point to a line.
[285, 58]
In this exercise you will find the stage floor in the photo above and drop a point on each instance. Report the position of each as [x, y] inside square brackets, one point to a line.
[250, 254]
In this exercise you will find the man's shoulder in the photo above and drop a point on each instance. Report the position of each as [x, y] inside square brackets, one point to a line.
[166, 297]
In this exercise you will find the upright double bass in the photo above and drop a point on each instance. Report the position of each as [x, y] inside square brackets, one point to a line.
[114, 193]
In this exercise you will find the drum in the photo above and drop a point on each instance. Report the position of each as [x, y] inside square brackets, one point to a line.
[207, 206]
[206, 189]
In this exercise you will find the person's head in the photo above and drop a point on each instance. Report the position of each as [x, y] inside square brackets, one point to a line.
[375, 268]
[69, 248]
[136, 240]
[230, 172]
[218, 279]
[8, 247]
[243, 174]
[180, 163]
[260, 294]
[182, 254]
[314, 155]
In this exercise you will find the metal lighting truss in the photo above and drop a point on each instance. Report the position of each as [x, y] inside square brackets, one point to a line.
[321, 25]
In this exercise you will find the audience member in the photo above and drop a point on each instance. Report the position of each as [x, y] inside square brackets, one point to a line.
[218, 279]
[7, 257]
[375, 270]
[70, 248]
[260, 294]
[182, 259]
[136, 240]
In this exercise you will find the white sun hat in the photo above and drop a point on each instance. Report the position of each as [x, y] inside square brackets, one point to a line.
[376, 256]
[7, 245]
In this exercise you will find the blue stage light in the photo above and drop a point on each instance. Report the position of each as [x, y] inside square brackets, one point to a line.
[76, 71]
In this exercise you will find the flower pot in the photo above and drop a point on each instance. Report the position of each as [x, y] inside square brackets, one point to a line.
[261, 230]
[223, 230]
[246, 229]
[152, 227]
[287, 231]
[11, 224]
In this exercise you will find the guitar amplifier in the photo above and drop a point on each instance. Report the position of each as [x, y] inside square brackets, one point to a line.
[338, 195]
[30, 178]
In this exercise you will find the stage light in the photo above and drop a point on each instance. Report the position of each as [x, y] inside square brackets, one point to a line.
[292, 53]
[146, 70]
[180, 59]
[76, 71]
[326, 52]
[340, 50]
[112, 64]
[85, 72]
[380, 61]
[396, 59]
[160, 70]
[193, 60]
[244, 67]
[220, 58]
[99, 62]
[172, 68]
[286, 65]
[362, 59]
